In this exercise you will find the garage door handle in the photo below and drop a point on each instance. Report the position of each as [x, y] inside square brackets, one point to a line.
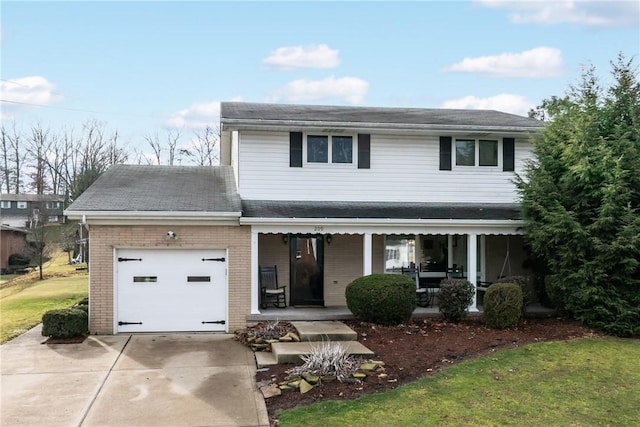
[219, 322]
[120, 259]
[214, 259]
[129, 323]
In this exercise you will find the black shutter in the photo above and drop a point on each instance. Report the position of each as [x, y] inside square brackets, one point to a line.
[508, 154]
[445, 153]
[295, 149]
[364, 151]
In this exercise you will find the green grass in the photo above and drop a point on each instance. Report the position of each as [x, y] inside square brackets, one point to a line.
[7, 277]
[586, 382]
[22, 305]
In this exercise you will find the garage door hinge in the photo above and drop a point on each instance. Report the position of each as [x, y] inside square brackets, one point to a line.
[219, 322]
[214, 259]
[129, 323]
[120, 259]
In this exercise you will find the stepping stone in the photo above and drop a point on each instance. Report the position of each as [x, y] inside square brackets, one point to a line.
[264, 358]
[324, 331]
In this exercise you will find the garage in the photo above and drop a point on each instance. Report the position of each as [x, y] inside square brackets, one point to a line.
[171, 290]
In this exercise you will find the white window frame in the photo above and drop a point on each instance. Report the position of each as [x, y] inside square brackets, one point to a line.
[53, 205]
[52, 218]
[5, 204]
[21, 205]
[454, 152]
[354, 150]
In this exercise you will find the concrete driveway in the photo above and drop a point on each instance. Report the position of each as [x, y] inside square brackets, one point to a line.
[130, 380]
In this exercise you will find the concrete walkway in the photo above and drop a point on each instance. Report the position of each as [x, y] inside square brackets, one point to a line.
[130, 380]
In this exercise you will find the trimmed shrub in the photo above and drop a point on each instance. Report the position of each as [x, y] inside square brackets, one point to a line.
[454, 298]
[385, 299]
[528, 289]
[503, 305]
[65, 323]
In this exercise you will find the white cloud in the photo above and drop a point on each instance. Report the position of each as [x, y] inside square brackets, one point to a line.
[198, 115]
[506, 102]
[541, 62]
[588, 13]
[30, 90]
[311, 56]
[351, 90]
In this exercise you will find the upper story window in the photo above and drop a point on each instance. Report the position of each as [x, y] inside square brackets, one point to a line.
[472, 152]
[53, 205]
[321, 148]
[22, 205]
[336, 149]
[5, 204]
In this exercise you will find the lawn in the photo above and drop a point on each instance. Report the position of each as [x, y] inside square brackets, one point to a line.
[24, 299]
[578, 383]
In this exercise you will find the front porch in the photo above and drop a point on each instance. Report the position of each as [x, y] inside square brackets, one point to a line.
[316, 267]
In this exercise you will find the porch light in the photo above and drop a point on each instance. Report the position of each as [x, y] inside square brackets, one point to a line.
[328, 238]
[285, 239]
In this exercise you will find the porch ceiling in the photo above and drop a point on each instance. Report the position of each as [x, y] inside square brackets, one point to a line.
[282, 209]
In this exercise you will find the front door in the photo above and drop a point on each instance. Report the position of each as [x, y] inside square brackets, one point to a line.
[307, 270]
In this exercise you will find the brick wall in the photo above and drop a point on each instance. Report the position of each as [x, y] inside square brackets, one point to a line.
[103, 240]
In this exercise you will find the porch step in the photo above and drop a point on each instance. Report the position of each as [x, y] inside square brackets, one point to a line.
[324, 331]
[289, 352]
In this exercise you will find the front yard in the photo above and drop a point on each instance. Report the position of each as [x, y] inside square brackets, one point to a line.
[578, 382]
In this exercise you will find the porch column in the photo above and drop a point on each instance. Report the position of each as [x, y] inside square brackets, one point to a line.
[449, 250]
[366, 254]
[472, 266]
[254, 274]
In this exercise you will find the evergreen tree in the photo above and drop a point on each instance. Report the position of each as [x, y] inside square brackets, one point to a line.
[581, 200]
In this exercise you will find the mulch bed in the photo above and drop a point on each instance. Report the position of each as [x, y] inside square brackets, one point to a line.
[418, 349]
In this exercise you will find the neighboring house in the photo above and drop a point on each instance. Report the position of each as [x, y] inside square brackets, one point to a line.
[19, 210]
[12, 241]
[327, 194]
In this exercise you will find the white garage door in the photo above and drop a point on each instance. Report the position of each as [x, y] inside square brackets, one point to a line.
[171, 290]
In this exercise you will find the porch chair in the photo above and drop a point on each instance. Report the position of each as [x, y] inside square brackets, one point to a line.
[271, 291]
[423, 297]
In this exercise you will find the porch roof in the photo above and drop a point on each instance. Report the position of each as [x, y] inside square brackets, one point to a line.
[282, 209]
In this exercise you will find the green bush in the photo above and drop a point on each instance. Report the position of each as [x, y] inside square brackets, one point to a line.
[503, 305]
[385, 299]
[527, 286]
[65, 323]
[454, 298]
[18, 260]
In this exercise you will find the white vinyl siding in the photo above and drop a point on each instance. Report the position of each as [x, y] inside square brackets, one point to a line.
[402, 169]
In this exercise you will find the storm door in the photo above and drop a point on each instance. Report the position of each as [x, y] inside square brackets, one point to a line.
[307, 270]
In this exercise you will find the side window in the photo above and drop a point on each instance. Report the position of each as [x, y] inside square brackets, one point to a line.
[5, 204]
[488, 152]
[22, 205]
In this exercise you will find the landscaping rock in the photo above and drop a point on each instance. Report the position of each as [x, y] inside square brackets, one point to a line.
[305, 387]
[270, 391]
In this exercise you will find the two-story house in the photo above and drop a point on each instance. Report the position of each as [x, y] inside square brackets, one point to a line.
[326, 194]
[23, 210]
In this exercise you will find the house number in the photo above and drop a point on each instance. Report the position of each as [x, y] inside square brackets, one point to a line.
[318, 228]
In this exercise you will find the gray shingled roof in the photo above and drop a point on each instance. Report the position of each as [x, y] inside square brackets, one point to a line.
[376, 210]
[22, 197]
[254, 113]
[127, 188]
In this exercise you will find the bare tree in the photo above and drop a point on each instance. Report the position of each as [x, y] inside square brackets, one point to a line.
[204, 150]
[13, 158]
[40, 142]
[154, 143]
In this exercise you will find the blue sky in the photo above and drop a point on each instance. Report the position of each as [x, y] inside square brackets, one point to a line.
[144, 67]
